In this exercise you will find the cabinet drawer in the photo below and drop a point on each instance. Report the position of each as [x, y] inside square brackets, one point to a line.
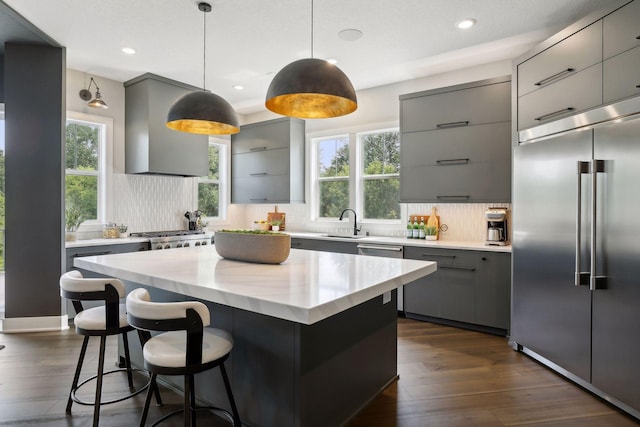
[458, 146]
[620, 76]
[565, 97]
[261, 136]
[263, 163]
[457, 108]
[444, 257]
[324, 245]
[260, 189]
[566, 58]
[477, 183]
[621, 30]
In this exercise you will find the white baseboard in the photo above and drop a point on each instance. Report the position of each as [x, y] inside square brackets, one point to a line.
[34, 324]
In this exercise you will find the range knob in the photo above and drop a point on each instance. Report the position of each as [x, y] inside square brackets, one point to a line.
[186, 244]
[159, 246]
[167, 246]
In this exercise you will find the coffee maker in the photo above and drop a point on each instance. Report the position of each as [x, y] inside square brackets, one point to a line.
[497, 230]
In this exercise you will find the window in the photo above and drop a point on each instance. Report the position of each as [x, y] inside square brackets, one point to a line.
[333, 175]
[370, 183]
[381, 174]
[84, 146]
[211, 191]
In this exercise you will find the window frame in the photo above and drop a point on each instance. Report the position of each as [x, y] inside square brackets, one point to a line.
[356, 173]
[224, 168]
[105, 167]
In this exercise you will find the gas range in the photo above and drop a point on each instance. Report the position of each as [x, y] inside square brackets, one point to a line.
[175, 238]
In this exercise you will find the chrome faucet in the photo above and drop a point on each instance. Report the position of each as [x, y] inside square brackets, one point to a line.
[355, 220]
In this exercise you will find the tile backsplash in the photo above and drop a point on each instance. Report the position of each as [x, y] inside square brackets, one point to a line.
[465, 221]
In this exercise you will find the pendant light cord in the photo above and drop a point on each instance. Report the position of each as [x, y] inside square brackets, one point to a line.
[204, 52]
[312, 28]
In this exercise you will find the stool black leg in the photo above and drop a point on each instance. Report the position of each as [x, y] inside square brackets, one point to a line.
[150, 391]
[192, 395]
[125, 342]
[96, 410]
[187, 400]
[76, 376]
[234, 409]
[145, 336]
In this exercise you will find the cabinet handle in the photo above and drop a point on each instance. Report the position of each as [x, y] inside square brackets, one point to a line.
[259, 174]
[453, 197]
[444, 267]
[257, 149]
[447, 162]
[452, 124]
[549, 79]
[637, 37]
[91, 254]
[295, 243]
[438, 255]
[259, 200]
[581, 277]
[555, 113]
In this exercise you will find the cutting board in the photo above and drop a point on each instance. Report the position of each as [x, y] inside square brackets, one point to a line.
[275, 216]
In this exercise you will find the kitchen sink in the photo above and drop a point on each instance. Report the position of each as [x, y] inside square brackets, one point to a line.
[345, 236]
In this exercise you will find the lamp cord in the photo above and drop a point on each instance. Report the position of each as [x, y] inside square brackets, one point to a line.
[204, 52]
[312, 28]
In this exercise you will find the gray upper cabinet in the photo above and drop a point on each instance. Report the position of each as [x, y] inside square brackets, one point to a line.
[590, 64]
[446, 108]
[621, 30]
[455, 144]
[150, 146]
[563, 60]
[267, 162]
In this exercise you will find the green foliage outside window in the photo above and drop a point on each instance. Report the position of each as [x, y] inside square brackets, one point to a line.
[209, 187]
[381, 159]
[81, 183]
[334, 173]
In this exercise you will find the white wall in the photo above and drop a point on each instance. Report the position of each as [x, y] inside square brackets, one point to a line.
[148, 203]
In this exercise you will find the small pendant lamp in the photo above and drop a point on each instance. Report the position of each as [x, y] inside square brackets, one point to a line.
[203, 112]
[311, 89]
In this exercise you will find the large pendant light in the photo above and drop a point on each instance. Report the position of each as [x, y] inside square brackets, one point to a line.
[203, 112]
[311, 89]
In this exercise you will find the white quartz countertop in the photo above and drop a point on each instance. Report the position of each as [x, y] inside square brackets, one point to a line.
[103, 242]
[308, 287]
[443, 244]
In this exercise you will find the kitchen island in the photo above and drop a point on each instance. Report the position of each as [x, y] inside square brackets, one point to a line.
[315, 337]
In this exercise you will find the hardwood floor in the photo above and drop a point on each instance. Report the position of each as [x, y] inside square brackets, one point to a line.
[448, 377]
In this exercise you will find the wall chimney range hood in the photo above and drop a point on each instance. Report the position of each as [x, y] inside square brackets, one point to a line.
[150, 146]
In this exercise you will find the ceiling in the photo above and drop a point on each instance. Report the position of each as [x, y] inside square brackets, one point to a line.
[248, 41]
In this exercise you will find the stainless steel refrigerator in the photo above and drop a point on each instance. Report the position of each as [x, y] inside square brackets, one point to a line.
[576, 249]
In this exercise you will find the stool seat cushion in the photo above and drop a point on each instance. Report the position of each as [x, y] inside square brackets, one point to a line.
[94, 319]
[169, 349]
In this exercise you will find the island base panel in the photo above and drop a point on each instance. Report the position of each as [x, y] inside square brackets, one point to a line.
[289, 374]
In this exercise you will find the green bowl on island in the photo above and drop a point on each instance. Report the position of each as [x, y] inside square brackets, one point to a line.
[264, 247]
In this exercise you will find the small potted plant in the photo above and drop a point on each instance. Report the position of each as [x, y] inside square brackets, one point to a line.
[275, 224]
[122, 229]
[431, 232]
[73, 219]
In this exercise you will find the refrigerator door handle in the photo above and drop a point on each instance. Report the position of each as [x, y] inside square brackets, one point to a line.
[581, 277]
[595, 281]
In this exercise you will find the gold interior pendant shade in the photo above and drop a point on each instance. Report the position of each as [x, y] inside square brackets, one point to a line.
[203, 112]
[311, 89]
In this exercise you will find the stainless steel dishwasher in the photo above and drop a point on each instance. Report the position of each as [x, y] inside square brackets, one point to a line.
[389, 251]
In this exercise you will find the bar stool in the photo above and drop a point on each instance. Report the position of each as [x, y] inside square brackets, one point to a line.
[102, 321]
[185, 347]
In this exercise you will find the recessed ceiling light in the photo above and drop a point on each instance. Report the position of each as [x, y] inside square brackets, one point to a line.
[238, 87]
[350, 34]
[129, 50]
[466, 23]
[332, 61]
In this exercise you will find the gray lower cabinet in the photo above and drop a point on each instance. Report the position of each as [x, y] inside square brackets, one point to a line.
[470, 288]
[324, 245]
[267, 162]
[76, 252]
